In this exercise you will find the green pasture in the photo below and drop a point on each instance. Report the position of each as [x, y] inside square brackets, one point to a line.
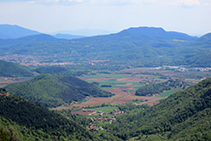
[107, 82]
[104, 109]
[106, 76]
[137, 87]
[168, 93]
[3, 86]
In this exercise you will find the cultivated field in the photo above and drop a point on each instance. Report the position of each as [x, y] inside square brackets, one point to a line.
[125, 85]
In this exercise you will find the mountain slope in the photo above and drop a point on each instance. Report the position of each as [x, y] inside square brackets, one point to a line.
[9, 69]
[141, 46]
[173, 117]
[205, 38]
[14, 31]
[24, 120]
[10, 44]
[154, 32]
[67, 36]
[52, 91]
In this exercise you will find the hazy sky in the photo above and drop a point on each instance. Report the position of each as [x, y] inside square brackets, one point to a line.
[189, 16]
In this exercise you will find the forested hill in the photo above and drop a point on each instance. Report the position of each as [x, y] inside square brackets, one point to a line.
[156, 88]
[185, 115]
[21, 119]
[156, 33]
[9, 69]
[55, 90]
[7, 44]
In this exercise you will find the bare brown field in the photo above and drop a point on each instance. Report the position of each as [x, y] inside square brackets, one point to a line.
[130, 79]
[117, 91]
[130, 98]
[100, 79]
[97, 101]
[11, 81]
[94, 101]
[62, 107]
[132, 93]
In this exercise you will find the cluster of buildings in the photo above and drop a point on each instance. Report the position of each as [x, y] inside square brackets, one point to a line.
[94, 127]
[180, 68]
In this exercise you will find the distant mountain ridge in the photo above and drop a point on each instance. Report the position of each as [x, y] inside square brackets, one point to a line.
[67, 36]
[155, 32]
[147, 46]
[14, 31]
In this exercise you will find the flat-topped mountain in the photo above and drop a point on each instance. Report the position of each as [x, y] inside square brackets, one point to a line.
[156, 33]
[147, 46]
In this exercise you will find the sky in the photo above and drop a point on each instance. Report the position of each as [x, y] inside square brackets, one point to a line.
[188, 16]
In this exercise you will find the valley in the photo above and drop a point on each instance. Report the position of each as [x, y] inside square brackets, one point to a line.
[126, 82]
[142, 83]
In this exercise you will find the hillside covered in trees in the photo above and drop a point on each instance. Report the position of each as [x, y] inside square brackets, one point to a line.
[156, 88]
[21, 119]
[55, 90]
[184, 115]
[9, 69]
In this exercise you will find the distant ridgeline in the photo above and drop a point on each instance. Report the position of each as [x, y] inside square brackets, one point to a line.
[156, 88]
[21, 119]
[55, 90]
[185, 115]
[141, 46]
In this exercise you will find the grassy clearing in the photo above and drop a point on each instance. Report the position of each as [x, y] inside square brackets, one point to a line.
[3, 86]
[137, 87]
[106, 76]
[168, 93]
[104, 109]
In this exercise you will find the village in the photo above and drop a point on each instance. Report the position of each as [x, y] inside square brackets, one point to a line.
[100, 116]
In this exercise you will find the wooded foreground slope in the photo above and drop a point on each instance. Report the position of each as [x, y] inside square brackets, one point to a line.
[184, 115]
[21, 119]
[55, 90]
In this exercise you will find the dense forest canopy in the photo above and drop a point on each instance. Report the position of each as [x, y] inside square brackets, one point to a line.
[183, 115]
[156, 88]
[9, 69]
[55, 90]
[21, 119]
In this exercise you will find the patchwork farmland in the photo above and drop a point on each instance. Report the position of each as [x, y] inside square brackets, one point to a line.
[125, 83]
